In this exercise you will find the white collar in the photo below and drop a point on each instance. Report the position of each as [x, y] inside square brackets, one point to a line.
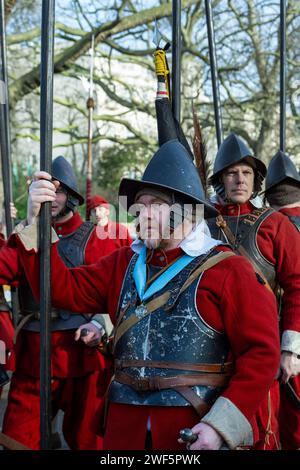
[197, 243]
[256, 202]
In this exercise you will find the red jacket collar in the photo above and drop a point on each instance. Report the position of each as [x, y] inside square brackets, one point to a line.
[163, 258]
[235, 209]
[65, 228]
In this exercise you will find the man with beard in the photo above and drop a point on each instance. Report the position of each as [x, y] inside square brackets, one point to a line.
[78, 372]
[192, 322]
[270, 242]
[283, 195]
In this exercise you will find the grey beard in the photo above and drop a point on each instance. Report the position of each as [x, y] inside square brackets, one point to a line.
[152, 244]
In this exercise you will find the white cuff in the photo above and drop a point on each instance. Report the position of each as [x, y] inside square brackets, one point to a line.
[230, 423]
[291, 341]
[104, 320]
[29, 236]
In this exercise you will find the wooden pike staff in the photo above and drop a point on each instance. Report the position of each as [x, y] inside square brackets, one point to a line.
[90, 104]
[282, 74]
[4, 124]
[200, 152]
[46, 118]
[289, 388]
[5, 147]
[176, 58]
[214, 71]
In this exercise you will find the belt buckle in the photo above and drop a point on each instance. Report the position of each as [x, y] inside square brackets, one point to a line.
[143, 384]
[149, 384]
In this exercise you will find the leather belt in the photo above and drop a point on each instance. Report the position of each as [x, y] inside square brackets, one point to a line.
[36, 315]
[147, 384]
[226, 367]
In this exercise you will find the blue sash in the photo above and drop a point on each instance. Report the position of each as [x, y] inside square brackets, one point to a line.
[140, 274]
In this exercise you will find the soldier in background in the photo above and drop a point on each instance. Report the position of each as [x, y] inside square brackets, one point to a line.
[271, 244]
[283, 194]
[99, 210]
[79, 373]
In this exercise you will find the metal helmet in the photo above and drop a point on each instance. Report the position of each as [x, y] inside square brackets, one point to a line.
[280, 168]
[63, 172]
[170, 170]
[232, 151]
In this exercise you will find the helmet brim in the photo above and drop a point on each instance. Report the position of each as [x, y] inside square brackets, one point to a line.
[130, 188]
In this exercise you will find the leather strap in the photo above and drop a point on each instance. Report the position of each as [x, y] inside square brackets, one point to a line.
[205, 266]
[240, 250]
[148, 384]
[200, 406]
[22, 323]
[227, 367]
[31, 316]
[133, 320]
[10, 443]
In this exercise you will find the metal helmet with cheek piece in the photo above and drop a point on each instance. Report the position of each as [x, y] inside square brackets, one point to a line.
[63, 172]
[172, 171]
[232, 151]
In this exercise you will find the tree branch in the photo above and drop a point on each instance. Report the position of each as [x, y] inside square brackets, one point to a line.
[63, 61]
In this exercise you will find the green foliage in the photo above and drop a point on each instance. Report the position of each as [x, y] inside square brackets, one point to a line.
[20, 182]
[246, 36]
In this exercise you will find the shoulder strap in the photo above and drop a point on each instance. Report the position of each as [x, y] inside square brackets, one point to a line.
[256, 214]
[213, 261]
[241, 250]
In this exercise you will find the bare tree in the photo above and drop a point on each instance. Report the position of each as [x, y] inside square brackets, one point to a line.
[247, 39]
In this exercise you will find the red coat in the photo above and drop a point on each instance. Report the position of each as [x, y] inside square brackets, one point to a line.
[230, 299]
[295, 211]
[69, 358]
[7, 329]
[278, 242]
[115, 232]
[79, 373]
[289, 417]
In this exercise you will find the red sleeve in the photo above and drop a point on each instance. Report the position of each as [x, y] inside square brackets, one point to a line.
[99, 246]
[10, 263]
[231, 300]
[279, 243]
[93, 288]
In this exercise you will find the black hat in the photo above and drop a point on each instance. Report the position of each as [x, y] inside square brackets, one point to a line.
[170, 169]
[280, 168]
[63, 172]
[232, 151]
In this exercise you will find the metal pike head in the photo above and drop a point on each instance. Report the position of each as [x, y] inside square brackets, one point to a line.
[157, 36]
